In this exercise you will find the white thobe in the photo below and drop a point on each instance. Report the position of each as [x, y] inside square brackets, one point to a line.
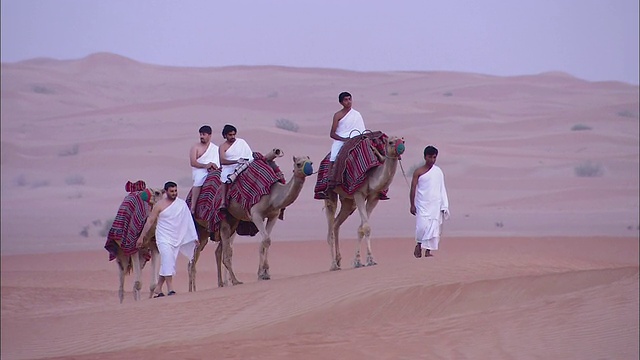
[175, 233]
[430, 201]
[347, 127]
[210, 156]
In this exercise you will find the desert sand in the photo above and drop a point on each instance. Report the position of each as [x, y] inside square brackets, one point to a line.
[538, 261]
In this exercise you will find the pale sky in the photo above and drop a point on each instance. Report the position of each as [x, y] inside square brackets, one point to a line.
[594, 40]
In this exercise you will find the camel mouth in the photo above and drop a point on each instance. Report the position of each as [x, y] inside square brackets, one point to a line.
[400, 148]
[307, 168]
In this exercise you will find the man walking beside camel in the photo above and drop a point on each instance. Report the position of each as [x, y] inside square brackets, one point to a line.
[175, 233]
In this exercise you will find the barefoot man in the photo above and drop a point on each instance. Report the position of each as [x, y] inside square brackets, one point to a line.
[203, 158]
[175, 233]
[234, 152]
[429, 203]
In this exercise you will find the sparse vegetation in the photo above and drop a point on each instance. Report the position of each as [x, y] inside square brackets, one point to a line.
[21, 180]
[579, 127]
[448, 93]
[589, 169]
[39, 89]
[273, 94]
[499, 224]
[286, 124]
[69, 152]
[394, 93]
[628, 113]
[74, 180]
[85, 231]
[40, 183]
[105, 229]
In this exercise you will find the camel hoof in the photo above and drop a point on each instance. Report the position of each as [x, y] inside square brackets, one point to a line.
[357, 264]
[335, 268]
[372, 263]
[237, 282]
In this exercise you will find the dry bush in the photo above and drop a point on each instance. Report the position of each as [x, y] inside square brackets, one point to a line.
[286, 124]
[579, 127]
[69, 152]
[589, 169]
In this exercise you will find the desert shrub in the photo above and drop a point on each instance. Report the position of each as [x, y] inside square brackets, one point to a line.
[393, 94]
[21, 180]
[589, 169]
[69, 152]
[84, 232]
[499, 224]
[74, 180]
[273, 94]
[105, 229]
[39, 89]
[627, 113]
[579, 127]
[448, 93]
[40, 183]
[286, 124]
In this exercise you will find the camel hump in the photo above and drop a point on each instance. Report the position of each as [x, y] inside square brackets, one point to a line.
[135, 186]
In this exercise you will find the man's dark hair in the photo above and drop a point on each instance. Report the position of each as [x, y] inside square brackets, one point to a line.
[430, 150]
[169, 184]
[343, 95]
[227, 129]
[205, 129]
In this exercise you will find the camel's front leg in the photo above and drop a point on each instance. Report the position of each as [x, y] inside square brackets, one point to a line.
[155, 270]
[137, 270]
[371, 204]
[265, 232]
[330, 206]
[347, 207]
[364, 230]
[226, 231]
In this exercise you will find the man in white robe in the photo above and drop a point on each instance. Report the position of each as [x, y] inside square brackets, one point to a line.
[203, 157]
[346, 123]
[429, 203]
[234, 153]
[175, 233]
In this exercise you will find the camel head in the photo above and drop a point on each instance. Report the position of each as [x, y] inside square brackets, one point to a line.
[271, 155]
[151, 195]
[302, 166]
[394, 147]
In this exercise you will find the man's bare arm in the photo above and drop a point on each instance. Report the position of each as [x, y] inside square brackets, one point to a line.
[148, 224]
[193, 159]
[334, 126]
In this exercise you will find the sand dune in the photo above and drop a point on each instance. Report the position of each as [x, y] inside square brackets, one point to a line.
[539, 259]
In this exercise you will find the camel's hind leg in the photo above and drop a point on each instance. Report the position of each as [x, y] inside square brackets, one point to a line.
[137, 268]
[123, 266]
[203, 238]
[330, 206]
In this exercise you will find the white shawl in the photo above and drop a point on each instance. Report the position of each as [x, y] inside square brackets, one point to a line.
[352, 121]
[210, 156]
[175, 225]
[238, 150]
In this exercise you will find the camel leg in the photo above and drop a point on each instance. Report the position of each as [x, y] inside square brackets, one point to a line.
[203, 238]
[371, 204]
[330, 211]
[347, 207]
[155, 270]
[363, 230]
[219, 263]
[226, 232]
[123, 264]
[265, 232]
[137, 269]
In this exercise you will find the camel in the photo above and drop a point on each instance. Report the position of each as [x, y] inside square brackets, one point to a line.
[365, 199]
[284, 195]
[268, 207]
[135, 262]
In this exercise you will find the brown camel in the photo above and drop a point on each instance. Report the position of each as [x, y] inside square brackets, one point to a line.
[135, 262]
[204, 234]
[365, 199]
[268, 207]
